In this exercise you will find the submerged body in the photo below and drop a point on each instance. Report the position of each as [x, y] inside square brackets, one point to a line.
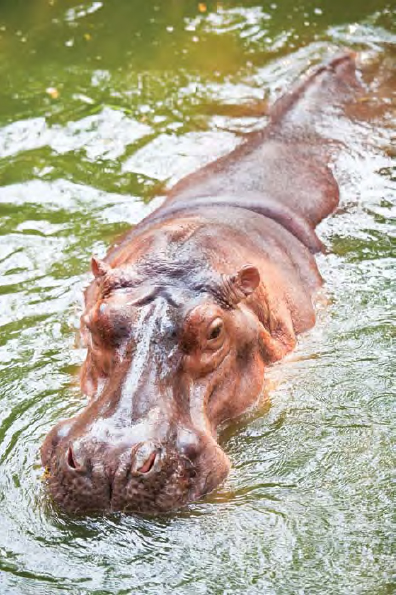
[185, 314]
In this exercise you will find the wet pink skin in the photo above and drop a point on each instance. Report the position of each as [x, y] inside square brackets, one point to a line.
[185, 314]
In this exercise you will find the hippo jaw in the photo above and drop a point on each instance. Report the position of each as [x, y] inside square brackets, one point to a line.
[161, 378]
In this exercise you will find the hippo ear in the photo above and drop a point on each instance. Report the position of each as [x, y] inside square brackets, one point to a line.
[242, 284]
[99, 267]
[247, 279]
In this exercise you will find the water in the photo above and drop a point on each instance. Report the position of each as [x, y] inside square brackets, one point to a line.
[101, 105]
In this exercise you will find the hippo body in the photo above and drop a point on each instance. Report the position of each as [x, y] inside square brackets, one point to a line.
[184, 315]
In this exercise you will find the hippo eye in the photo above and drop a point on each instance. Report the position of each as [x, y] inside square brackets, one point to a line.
[215, 329]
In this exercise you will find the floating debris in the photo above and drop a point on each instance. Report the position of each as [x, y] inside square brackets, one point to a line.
[52, 92]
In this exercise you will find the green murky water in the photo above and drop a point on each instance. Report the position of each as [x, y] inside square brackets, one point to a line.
[101, 105]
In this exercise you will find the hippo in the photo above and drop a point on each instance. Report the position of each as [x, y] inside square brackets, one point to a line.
[188, 310]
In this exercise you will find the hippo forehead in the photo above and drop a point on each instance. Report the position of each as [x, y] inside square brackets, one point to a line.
[178, 277]
[169, 304]
[151, 316]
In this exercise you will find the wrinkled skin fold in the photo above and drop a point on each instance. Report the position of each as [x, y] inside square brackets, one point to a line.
[184, 315]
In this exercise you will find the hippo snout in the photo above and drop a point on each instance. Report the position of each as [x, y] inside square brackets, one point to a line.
[85, 475]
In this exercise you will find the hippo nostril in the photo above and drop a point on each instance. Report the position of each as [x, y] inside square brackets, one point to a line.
[71, 461]
[149, 464]
[144, 457]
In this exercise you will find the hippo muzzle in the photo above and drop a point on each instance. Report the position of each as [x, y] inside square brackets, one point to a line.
[88, 474]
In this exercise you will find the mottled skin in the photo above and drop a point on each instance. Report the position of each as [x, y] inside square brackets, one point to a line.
[184, 315]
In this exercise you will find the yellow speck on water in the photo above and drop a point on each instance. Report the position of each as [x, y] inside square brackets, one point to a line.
[46, 474]
[52, 92]
[87, 36]
[202, 7]
[270, 385]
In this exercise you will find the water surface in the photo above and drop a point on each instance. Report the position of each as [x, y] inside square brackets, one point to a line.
[102, 105]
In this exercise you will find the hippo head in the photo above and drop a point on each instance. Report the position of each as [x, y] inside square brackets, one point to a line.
[166, 364]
